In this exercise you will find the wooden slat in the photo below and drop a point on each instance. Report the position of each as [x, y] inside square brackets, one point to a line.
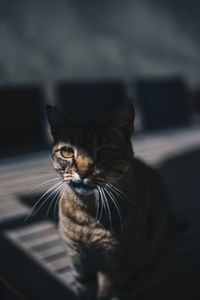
[46, 240]
[31, 229]
[58, 263]
[10, 214]
[34, 236]
[49, 252]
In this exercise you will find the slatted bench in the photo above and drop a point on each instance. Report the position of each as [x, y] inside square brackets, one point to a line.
[18, 178]
[34, 261]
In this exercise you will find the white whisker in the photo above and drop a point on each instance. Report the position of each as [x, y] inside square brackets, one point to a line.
[114, 200]
[120, 193]
[101, 202]
[53, 198]
[108, 209]
[40, 199]
[43, 183]
[50, 195]
[59, 197]
[97, 204]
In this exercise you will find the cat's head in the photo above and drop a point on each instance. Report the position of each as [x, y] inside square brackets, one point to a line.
[92, 155]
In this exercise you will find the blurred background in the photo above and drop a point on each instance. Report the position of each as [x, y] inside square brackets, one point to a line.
[88, 58]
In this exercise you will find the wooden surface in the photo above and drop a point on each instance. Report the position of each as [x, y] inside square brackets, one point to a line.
[175, 153]
[42, 242]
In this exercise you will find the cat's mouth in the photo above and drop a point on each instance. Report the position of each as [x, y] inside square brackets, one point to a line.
[82, 188]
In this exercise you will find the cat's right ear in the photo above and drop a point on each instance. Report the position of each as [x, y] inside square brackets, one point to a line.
[57, 120]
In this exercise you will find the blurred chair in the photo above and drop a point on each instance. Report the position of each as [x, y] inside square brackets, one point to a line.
[21, 119]
[90, 100]
[164, 102]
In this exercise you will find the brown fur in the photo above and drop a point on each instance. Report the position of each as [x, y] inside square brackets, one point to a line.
[109, 259]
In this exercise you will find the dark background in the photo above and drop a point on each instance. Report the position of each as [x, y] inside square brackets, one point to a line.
[50, 40]
[89, 57]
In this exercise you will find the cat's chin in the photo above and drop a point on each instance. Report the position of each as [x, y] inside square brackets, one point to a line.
[82, 190]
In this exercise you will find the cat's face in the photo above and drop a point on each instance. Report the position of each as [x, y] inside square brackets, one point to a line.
[88, 156]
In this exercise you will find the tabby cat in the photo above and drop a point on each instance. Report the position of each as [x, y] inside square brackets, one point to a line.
[113, 214]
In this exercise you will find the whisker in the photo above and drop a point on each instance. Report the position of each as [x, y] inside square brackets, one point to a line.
[100, 202]
[114, 200]
[55, 206]
[39, 200]
[108, 209]
[43, 183]
[63, 191]
[97, 204]
[45, 200]
[120, 193]
[56, 194]
[58, 198]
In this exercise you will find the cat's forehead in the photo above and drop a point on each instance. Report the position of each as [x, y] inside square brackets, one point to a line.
[89, 136]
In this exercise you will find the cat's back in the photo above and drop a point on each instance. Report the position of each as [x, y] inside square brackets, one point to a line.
[159, 220]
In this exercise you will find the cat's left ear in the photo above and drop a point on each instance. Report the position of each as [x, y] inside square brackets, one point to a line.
[57, 120]
[123, 118]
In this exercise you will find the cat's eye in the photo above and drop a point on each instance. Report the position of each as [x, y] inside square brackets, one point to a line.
[106, 153]
[67, 152]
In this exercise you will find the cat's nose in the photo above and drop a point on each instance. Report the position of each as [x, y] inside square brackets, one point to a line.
[85, 172]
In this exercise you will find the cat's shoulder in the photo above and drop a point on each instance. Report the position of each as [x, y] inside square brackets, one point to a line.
[147, 175]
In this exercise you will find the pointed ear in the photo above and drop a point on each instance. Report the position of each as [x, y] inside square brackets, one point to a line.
[57, 120]
[123, 118]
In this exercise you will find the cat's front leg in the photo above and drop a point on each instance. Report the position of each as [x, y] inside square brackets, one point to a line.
[104, 287]
[85, 277]
[86, 288]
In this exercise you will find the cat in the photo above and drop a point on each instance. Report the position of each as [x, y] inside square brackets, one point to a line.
[113, 215]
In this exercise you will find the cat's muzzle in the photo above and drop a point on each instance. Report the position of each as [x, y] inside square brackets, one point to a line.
[83, 186]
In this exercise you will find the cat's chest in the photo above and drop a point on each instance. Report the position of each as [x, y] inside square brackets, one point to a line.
[90, 235]
[78, 226]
